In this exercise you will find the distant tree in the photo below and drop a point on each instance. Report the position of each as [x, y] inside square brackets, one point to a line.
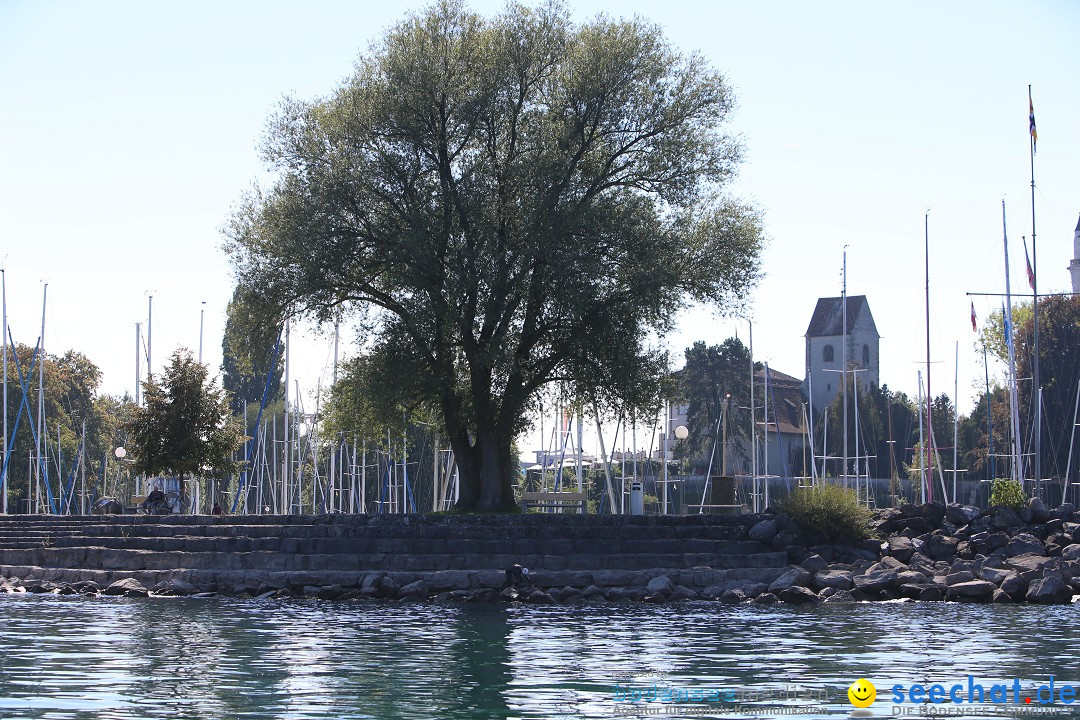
[251, 330]
[185, 427]
[712, 375]
[512, 201]
[1059, 371]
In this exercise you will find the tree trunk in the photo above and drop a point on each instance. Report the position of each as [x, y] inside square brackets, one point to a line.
[487, 470]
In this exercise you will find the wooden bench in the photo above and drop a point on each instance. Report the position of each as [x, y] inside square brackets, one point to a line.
[556, 500]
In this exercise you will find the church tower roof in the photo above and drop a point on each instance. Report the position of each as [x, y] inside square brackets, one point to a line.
[828, 319]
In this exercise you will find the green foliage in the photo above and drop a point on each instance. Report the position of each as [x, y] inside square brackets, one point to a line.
[828, 510]
[507, 202]
[1005, 492]
[185, 426]
[251, 329]
[712, 378]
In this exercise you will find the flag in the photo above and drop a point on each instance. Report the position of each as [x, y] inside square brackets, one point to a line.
[1030, 272]
[973, 328]
[1031, 122]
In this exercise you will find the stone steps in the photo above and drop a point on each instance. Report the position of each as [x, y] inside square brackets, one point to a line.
[94, 557]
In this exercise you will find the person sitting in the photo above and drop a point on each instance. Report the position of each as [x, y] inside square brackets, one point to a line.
[153, 500]
[216, 510]
[515, 574]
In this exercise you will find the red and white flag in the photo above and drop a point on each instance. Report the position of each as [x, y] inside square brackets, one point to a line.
[973, 328]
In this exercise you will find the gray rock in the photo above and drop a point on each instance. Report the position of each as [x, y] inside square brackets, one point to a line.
[972, 589]
[1005, 518]
[911, 576]
[1000, 596]
[796, 576]
[901, 548]
[961, 514]
[682, 592]
[734, 595]
[994, 575]
[539, 597]
[1071, 552]
[1024, 544]
[763, 531]
[591, 592]
[827, 593]
[386, 587]
[841, 596]
[888, 563]
[797, 595]
[814, 563]
[128, 587]
[1014, 585]
[941, 547]
[766, 599]
[176, 586]
[413, 591]
[875, 582]
[1026, 563]
[1039, 513]
[926, 591]
[616, 594]
[836, 579]
[330, 592]
[509, 595]
[1049, 590]
[660, 585]
[959, 577]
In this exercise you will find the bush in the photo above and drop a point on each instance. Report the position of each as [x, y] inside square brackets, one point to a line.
[831, 511]
[1007, 493]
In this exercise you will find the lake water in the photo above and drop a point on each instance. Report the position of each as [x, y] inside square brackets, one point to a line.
[74, 657]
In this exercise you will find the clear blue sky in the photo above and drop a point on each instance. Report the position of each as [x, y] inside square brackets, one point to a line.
[129, 128]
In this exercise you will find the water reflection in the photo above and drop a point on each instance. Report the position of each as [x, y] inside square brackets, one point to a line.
[113, 658]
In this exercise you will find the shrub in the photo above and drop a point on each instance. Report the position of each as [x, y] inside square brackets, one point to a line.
[1007, 493]
[831, 511]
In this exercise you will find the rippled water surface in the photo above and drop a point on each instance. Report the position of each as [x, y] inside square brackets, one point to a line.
[71, 657]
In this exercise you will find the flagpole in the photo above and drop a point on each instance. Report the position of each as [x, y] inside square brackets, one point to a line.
[1036, 385]
[1014, 416]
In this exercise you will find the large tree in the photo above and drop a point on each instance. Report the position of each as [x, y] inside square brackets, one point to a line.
[509, 201]
[715, 375]
[185, 427]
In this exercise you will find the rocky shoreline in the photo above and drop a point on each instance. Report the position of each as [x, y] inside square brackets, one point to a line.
[929, 552]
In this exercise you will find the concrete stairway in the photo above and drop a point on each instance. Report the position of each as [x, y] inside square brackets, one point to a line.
[273, 550]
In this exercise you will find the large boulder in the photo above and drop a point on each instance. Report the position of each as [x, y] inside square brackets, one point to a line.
[1024, 544]
[1071, 552]
[941, 547]
[1028, 563]
[1004, 517]
[413, 591]
[1039, 513]
[763, 531]
[838, 579]
[956, 578]
[814, 563]
[1014, 585]
[961, 514]
[901, 548]
[128, 587]
[797, 595]
[876, 581]
[660, 585]
[972, 590]
[796, 576]
[1049, 590]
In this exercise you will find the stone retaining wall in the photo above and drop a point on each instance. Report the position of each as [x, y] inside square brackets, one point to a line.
[929, 552]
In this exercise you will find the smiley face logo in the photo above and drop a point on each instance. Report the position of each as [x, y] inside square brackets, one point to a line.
[862, 693]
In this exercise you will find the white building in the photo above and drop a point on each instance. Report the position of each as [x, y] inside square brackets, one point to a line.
[825, 348]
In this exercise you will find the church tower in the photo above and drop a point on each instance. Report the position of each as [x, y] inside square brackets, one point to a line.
[1074, 266]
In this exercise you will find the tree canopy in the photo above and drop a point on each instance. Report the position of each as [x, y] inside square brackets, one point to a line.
[185, 427]
[507, 201]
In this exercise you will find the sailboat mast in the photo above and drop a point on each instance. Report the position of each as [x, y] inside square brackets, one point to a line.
[753, 429]
[1036, 384]
[1017, 475]
[844, 366]
[928, 449]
